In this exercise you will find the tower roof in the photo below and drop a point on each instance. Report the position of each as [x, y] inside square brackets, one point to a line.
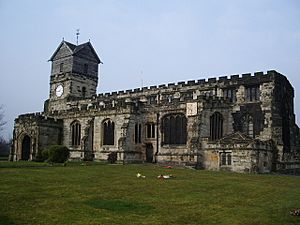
[75, 49]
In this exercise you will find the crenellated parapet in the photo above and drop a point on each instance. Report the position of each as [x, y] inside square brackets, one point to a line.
[37, 116]
[202, 90]
[222, 82]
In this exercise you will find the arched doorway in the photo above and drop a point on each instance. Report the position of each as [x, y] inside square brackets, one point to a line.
[26, 148]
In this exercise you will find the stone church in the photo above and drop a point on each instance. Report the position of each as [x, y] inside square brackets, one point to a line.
[239, 123]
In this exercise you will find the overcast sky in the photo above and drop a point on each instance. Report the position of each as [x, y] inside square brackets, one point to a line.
[145, 42]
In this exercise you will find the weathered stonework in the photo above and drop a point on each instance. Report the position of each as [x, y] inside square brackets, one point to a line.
[242, 123]
[39, 130]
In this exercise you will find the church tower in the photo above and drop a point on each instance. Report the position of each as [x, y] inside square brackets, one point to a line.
[74, 74]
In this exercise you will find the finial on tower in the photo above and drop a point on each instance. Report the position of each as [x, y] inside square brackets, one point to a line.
[77, 34]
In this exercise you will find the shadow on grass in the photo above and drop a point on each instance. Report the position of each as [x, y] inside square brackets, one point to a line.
[22, 164]
[6, 221]
[120, 206]
[30, 164]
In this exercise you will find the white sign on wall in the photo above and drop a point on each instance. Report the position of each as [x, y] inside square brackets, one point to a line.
[191, 109]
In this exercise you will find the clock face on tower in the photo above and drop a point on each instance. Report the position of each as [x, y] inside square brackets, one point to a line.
[59, 90]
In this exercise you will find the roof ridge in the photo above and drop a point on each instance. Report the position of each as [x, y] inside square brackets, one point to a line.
[74, 49]
[70, 45]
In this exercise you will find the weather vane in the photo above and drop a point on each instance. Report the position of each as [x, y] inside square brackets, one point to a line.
[77, 34]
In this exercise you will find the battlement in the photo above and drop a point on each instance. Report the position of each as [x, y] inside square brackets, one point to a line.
[208, 90]
[35, 117]
[257, 77]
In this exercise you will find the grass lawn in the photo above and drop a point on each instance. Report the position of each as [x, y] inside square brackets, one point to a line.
[112, 194]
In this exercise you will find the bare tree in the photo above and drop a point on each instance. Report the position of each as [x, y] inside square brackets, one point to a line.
[2, 122]
[4, 145]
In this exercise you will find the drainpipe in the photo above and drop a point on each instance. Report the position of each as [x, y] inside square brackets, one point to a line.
[157, 137]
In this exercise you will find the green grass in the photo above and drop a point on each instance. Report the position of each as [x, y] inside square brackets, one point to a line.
[112, 194]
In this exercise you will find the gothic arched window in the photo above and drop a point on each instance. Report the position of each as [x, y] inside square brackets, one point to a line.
[174, 129]
[216, 126]
[225, 159]
[76, 133]
[108, 132]
[252, 93]
[247, 126]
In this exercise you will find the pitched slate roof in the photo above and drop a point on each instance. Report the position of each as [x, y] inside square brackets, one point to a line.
[70, 45]
[75, 49]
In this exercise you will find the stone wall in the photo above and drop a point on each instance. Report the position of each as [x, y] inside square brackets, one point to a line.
[41, 131]
[257, 114]
[250, 156]
[73, 84]
[142, 105]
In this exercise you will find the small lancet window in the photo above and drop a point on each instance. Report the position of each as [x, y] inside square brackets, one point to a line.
[230, 94]
[76, 133]
[61, 67]
[138, 133]
[229, 159]
[83, 91]
[248, 127]
[85, 68]
[252, 93]
[150, 128]
[225, 159]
